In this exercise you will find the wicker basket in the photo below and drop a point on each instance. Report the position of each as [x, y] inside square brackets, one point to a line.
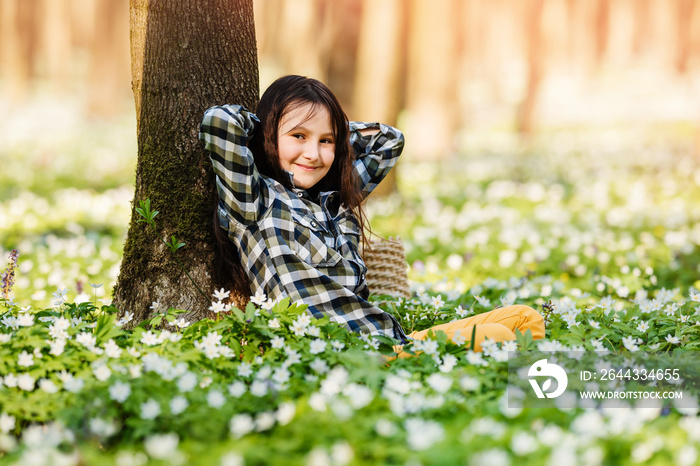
[386, 268]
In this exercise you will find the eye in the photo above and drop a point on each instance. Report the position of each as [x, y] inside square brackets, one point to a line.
[298, 136]
[326, 141]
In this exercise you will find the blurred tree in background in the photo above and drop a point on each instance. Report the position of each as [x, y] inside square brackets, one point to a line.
[464, 65]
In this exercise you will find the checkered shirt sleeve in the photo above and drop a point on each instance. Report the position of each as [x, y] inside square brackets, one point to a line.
[376, 154]
[225, 132]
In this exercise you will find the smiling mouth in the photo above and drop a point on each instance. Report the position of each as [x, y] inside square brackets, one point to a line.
[306, 168]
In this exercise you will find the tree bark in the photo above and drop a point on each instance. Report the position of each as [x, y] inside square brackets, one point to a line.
[186, 56]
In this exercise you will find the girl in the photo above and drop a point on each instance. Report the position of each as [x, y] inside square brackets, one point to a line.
[291, 181]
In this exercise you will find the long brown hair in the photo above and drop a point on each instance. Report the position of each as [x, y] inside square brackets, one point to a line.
[283, 95]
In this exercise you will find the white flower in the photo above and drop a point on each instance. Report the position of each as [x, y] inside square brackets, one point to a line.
[293, 356]
[120, 391]
[241, 424]
[285, 412]
[264, 421]
[150, 409]
[594, 324]
[48, 386]
[421, 434]
[458, 339]
[476, 359]
[237, 389]
[73, 384]
[483, 301]
[180, 323]
[630, 343]
[258, 388]
[358, 395]
[178, 404]
[313, 331]
[317, 346]
[112, 350]
[211, 339]
[317, 402]
[437, 302]
[25, 359]
[281, 376]
[337, 345]
[221, 294]
[187, 382]
[59, 296]
[385, 428]
[86, 339]
[10, 380]
[7, 423]
[149, 338]
[674, 340]
[217, 307]
[492, 457]
[695, 297]
[61, 323]
[461, 312]
[469, 384]
[523, 443]
[102, 428]
[24, 382]
[267, 305]
[510, 345]
[232, 459]
[135, 370]
[25, 320]
[128, 317]
[244, 370]
[319, 365]
[57, 347]
[643, 326]
[277, 342]
[440, 383]
[259, 298]
[101, 372]
[298, 328]
[161, 446]
[215, 399]
[274, 323]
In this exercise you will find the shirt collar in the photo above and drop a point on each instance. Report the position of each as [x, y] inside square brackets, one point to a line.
[325, 195]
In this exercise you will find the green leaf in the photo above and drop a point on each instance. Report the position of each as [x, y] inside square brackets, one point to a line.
[106, 328]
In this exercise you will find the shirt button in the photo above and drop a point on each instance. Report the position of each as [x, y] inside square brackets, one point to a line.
[314, 224]
[300, 194]
[362, 277]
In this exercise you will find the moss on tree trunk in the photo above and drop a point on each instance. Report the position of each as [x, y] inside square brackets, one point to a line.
[186, 57]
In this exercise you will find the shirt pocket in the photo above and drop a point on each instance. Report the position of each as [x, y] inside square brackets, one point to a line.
[310, 244]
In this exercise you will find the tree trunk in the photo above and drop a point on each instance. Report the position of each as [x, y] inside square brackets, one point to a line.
[535, 60]
[431, 81]
[186, 57]
[378, 84]
[109, 59]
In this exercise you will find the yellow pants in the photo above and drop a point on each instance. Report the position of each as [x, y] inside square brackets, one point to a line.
[498, 325]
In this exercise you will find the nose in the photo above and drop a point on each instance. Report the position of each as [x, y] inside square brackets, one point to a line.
[312, 152]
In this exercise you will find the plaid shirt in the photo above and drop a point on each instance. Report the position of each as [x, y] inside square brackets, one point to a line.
[292, 245]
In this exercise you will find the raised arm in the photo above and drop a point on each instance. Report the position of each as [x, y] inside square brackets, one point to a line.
[377, 147]
[225, 132]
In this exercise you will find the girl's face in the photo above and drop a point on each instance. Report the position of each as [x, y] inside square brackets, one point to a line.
[305, 144]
